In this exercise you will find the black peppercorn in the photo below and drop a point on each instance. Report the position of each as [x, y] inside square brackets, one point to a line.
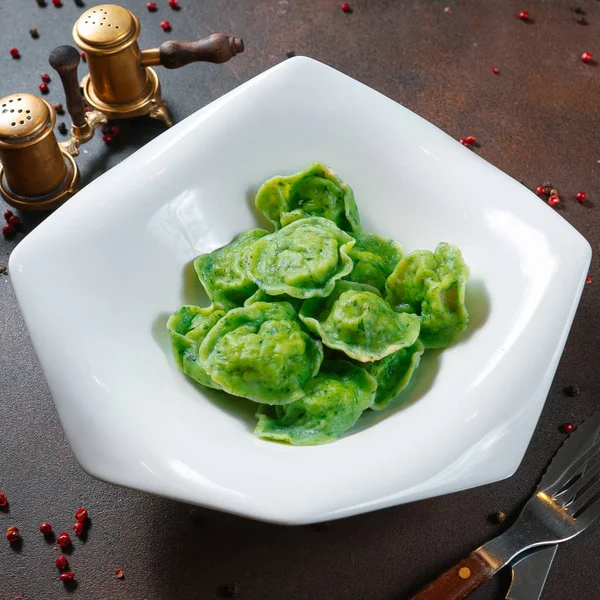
[571, 390]
[229, 591]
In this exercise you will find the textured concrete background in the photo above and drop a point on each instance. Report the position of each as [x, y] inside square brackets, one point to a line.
[538, 120]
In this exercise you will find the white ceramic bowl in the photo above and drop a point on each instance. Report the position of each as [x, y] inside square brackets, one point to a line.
[97, 280]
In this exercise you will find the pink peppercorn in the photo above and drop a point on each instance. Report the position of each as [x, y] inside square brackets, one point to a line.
[46, 528]
[63, 539]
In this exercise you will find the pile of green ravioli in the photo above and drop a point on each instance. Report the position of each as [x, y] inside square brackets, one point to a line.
[317, 321]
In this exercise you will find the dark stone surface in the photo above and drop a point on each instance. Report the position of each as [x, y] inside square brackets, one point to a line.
[538, 120]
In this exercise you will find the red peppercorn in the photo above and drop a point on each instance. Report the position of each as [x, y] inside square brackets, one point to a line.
[44, 88]
[3, 501]
[46, 78]
[78, 528]
[8, 214]
[63, 539]
[495, 70]
[46, 528]
[470, 139]
[67, 576]
[586, 57]
[581, 197]
[62, 563]
[14, 221]
[447, 10]
[568, 427]
[174, 3]
[151, 6]
[81, 514]
[553, 200]
[165, 25]
[524, 15]
[83, 56]
[8, 230]
[346, 7]
[14, 52]
[115, 130]
[588, 279]
[540, 190]
[12, 534]
[107, 138]
[57, 3]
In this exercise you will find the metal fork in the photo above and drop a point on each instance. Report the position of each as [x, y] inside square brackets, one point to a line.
[566, 501]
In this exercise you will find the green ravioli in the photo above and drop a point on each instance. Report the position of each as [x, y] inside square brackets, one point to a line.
[187, 328]
[393, 373]
[316, 191]
[333, 402]
[223, 272]
[432, 285]
[319, 320]
[262, 296]
[374, 258]
[261, 352]
[357, 321]
[304, 259]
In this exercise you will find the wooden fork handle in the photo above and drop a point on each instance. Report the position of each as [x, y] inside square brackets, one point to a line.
[459, 581]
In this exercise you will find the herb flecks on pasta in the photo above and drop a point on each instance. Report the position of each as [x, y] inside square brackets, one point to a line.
[333, 402]
[304, 259]
[358, 321]
[432, 285]
[261, 352]
[315, 192]
[224, 273]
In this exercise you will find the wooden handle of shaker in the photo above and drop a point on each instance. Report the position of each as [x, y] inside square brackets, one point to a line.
[65, 60]
[459, 581]
[216, 48]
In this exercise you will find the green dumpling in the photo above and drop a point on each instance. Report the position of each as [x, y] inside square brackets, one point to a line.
[223, 271]
[432, 285]
[374, 258]
[262, 296]
[261, 352]
[356, 320]
[334, 401]
[393, 373]
[317, 191]
[303, 259]
[188, 327]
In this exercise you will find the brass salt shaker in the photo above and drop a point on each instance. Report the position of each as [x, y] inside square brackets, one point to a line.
[121, 82]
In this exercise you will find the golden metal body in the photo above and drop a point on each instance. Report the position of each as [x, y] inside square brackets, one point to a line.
[35, 172]
[119, 84]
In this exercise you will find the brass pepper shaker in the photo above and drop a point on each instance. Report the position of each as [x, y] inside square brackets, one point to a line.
[121, 82]
[35, 172]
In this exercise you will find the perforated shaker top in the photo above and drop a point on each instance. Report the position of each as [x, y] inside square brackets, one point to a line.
[104, 26]
[22, 116]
